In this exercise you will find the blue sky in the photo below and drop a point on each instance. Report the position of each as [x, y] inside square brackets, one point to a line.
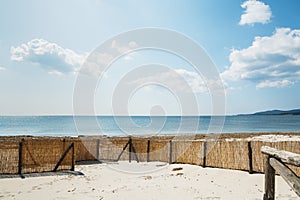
[255, 46]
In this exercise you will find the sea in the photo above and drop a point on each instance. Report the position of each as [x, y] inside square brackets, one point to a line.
[145, 125]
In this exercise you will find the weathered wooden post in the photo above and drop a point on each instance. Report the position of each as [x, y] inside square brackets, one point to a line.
[276, 161]
[204, 154]
[148, 151]
[130, 148]
[171, 152]
[269, 181]
[73, 157]
[97, 149]
[20, 157]
[250, 158]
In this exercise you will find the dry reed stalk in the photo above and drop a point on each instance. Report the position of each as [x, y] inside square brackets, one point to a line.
[188, 152]
[159, 150]
[9, 152]
[117, 147]
[85, 149]
[43, 155]
[228, 155]
[140, 145]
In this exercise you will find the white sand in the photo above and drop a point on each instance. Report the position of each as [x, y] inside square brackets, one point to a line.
[105, 181]
[268, 138]
[276, 138]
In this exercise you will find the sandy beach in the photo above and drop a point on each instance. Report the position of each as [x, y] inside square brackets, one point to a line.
[150, 100]
[154, 180]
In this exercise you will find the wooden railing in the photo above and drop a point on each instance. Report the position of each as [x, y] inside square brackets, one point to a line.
[276, 161]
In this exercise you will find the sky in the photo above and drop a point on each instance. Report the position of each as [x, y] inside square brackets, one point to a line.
[254, 45]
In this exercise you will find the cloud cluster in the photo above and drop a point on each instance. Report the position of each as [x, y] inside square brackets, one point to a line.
[276, 84]
[271, 61]
[52, 57]
[201, 84]
[99, 60]
[194, 80]
[256, 12]
[183, 81]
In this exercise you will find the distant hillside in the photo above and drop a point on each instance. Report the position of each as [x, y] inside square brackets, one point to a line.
[279, 112]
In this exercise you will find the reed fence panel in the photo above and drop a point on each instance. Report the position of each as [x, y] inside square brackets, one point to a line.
[140, 146]
[9, 157]
[189, 152]
[33, 155]
[159, 150]
[85, 149]
[228, 154]
[43, 155]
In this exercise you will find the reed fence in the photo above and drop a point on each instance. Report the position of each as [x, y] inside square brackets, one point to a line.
[236, 154]
[36, 155]
[42, 154]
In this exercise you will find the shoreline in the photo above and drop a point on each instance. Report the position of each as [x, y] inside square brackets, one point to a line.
[163, 136]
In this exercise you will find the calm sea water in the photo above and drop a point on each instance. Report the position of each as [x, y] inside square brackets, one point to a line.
[108, 125]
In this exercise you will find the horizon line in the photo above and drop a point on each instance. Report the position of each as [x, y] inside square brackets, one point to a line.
[70, 115]
[137, 115]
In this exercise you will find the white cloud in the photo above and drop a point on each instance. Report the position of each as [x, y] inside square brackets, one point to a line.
[277, 84]
[271, 61]
[180, 80]
[52, 57]
[194, 80]
[256, 12]
[2, 69]
[97, 61]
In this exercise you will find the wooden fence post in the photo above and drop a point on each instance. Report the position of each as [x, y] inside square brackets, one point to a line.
[148, 151]
[171, 152]
[20, 157]
[250, 158]
[130, 149]
[97, 149]
[73, 157]
[287, 174]
[204, 154]
[269, 181]
[276, 161]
